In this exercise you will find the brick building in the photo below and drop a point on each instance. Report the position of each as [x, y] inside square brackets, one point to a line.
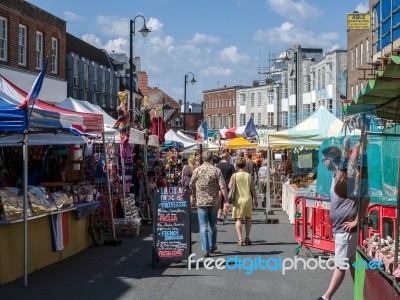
[220, 107]
[28, 35]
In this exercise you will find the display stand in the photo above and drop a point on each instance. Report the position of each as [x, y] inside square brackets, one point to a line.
[172, 225]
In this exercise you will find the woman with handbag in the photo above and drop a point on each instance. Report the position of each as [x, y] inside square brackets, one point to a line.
[245, 198]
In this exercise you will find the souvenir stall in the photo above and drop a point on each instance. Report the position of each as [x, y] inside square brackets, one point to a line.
[379, 235]
[130, 185]
[58, 228]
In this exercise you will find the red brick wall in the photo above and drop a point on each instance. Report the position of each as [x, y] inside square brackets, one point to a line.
[35, 19]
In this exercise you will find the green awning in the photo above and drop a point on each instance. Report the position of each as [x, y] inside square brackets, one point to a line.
[381, 96]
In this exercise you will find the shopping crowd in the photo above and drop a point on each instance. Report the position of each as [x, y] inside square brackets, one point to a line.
[221, 185]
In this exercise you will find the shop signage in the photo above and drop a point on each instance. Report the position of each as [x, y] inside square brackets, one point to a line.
[358, 21]
[171, 226]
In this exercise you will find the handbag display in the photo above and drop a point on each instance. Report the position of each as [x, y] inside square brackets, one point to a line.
[232, 191]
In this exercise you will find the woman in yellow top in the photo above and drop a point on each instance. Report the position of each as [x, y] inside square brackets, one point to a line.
[245, 199]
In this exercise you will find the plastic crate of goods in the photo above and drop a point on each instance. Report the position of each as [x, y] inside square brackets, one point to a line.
[127, 227]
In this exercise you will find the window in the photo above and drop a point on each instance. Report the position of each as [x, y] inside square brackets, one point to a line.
[22, 45]
[76, 66]
[352, 59]
[86, 76]
[259, 98]
[270, 97]
[252, 100]
[39, 50]
[54, 56]
[361, 54]
[292, 116]
[242, 119]
[95, 80]
[306, 85]
[319, 80]
[367, 58]
[259, 119]
[356, 57]
[270, 119]
[329, 105]
[329, 67]
[284, 119]
[242, 99]
[3, 39]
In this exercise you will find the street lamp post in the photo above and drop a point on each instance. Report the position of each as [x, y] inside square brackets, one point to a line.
[295, 53]
[193, 81]
[144, 31]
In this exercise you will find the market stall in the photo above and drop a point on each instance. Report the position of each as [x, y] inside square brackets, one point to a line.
[56, 229]
[303, 141]
[240, 143]
[380, 236]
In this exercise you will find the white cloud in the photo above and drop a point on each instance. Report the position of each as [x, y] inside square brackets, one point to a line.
[295, 11]
[334, 47]
[200, 38]
[154, 24]
[70, 16]
[231, 55]
[117, 45]
[289, 34]
[216, 71]
[362, 7]
[92, 39]
[112, 25]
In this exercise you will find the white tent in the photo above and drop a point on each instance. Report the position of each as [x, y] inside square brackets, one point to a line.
[206, 145]
[310, 133]
[135, 136]
[172, 136]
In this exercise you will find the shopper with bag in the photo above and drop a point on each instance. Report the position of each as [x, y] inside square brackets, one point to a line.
[244, 199]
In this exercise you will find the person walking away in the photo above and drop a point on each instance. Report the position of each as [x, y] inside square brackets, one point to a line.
[186, 174]
[245, 199]
[206, 182]
[344, 216]
[251, 167]
[262, 182]
[227, 171]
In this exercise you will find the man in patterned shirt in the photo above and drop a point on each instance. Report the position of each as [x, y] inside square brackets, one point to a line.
[206, 182]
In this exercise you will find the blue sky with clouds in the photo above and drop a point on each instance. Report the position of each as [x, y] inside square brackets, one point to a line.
[223, 42]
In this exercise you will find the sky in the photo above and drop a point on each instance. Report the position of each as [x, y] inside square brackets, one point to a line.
[222, 42]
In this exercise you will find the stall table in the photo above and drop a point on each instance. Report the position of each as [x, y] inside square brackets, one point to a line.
[290, 193]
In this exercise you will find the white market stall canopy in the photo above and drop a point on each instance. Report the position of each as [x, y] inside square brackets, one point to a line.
[187, 143]
[310, 133]
[209, 146]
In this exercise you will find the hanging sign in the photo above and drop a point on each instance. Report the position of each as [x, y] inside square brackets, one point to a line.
[358, 21]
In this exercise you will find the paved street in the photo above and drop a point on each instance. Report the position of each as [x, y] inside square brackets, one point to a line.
[125, 271]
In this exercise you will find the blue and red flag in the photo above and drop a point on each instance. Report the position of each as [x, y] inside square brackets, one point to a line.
[202, 132]
[33, 94]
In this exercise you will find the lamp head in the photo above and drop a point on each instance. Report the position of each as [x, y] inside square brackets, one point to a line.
[144, 31]
[193, 81]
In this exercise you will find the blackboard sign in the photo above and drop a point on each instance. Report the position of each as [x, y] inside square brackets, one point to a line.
[171, 226]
